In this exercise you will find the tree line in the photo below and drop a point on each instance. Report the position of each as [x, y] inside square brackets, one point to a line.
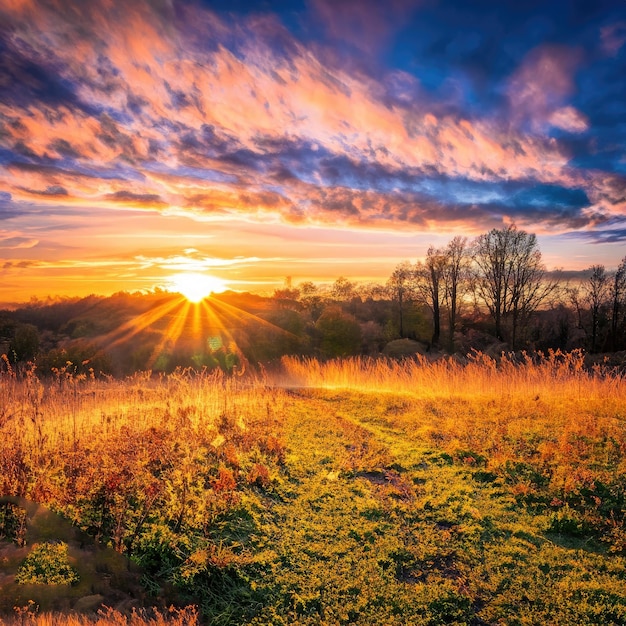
[501, 270]
[499, 275]
[492, 293]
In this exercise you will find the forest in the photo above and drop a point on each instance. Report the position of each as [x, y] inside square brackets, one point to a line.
[492, 294]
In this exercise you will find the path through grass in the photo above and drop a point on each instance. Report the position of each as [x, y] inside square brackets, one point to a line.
[375, 525]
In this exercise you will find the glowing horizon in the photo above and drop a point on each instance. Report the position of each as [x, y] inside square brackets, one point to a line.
[250, 142]
[195, 286]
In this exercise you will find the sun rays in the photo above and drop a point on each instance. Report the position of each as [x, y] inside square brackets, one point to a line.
[208, 333]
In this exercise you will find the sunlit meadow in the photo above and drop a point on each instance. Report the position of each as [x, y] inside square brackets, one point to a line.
[356, 491]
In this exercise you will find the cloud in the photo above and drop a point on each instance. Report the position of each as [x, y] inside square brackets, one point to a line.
[8, 208]
[568, 118]
[137, 199]
[52, 191]
[176, 109]
[193, 261]
[364, 24]
[602, 236]
[9, 265]
[541, 85]
[16, 243]
[613, 37]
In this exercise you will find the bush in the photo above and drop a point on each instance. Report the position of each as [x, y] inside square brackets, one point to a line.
[12, 523]
[47, 564]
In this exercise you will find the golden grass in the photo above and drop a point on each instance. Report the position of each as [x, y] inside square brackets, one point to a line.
[74, 412]
[548, 410]
[554, 375]
[110, 617]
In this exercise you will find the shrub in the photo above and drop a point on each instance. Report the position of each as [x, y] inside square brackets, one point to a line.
[12, 523]
[47, 564]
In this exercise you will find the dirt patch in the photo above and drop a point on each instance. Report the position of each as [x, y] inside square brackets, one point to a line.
[390, 483]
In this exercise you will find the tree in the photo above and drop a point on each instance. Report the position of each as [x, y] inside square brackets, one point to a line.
[340, 333]
[371, 291]
[530, 286]
[286, 294]
[430, 275]
[510, 277]
[617, 293]
[455, 274]
[343, 289]
[491, 284]
[280, 331]
[311, 299]
[25, 343]
[307, 289]
[596, 290]
[401, 289]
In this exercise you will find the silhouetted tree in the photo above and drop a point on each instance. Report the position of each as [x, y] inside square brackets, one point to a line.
[455, 281]
[510, 277]
[401, 289]
[430, 276]
[618, 301]
[596, 291]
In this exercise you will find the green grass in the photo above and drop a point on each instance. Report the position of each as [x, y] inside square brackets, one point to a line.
[377, 526]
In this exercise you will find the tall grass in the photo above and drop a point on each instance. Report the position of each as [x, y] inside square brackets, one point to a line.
[174, 617]
[553, 428]
[62, 416]
[160, 468]
[547, 409]
[553, 375]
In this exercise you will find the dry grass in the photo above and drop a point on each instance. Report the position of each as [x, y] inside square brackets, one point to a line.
[553, 376]
[494, 404]
[174, 617]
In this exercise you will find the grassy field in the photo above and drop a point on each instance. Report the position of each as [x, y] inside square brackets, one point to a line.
[346, 492]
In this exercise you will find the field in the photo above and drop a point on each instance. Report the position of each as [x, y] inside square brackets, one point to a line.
[348, 492]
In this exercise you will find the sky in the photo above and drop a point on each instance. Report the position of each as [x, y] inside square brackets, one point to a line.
[251, 141]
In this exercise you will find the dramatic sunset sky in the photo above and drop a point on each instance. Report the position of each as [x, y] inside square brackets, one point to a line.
[310, 138]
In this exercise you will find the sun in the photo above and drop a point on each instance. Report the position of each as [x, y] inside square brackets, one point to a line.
[196, 287]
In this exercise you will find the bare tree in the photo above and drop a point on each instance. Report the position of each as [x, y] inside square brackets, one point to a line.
[491, 274]
[455, 273]
[429, 276]
[401, 289]
[618, 300]
[530, 286]
[576, 300]
[596, 291]
[510, 277]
